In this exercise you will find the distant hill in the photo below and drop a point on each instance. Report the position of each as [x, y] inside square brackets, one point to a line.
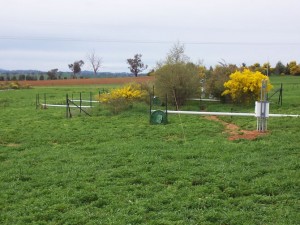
[21, 71]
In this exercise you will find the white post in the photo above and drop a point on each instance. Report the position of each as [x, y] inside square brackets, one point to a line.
[262, 108]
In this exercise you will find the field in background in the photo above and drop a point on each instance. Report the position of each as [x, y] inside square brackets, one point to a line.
[119, 169]
[90, 81]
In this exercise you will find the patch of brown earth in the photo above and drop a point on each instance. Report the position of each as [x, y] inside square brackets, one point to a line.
[234, 131]
[89, 81]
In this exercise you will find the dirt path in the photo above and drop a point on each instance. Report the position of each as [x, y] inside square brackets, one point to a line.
[234, 131]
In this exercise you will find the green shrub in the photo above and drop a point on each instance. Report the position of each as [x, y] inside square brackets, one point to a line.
[179, 81]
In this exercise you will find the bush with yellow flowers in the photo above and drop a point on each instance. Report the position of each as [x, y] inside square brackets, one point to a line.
[122, 98]
[245, 86]
[13, 85]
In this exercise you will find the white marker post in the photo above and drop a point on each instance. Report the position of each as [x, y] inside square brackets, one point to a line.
[262, 108]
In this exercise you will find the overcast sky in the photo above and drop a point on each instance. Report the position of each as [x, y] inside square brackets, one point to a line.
[48, 34]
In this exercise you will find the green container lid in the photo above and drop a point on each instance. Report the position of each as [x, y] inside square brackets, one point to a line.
[156, 101]
[158, 117]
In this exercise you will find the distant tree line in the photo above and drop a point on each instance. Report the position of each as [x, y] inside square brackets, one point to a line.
[50, 75]
[217, 74]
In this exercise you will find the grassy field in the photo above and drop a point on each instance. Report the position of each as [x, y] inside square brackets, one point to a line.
[119, 169]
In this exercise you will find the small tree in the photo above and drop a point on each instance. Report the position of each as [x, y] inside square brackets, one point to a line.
[279, 68]
[76, 67]
[52, 74]
[214, 83]
[177, 77]
[95, 61]
[245, 86]
[136, 65]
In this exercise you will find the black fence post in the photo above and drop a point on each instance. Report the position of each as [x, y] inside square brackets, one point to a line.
[80, 101]
[91, 103]
[37, 101]
[280, 96]
[45, 99]
[67, 106]
[166, 108]
[151, 98]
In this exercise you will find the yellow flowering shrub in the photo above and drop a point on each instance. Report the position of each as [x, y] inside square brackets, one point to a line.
[13, 85]
[122, 98]
[245, 86]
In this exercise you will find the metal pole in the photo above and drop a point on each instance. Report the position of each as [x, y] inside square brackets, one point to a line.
[166, 108]
[67, 106]
[200, 102]
[280, 95]
[80, 101]
[262, 120]
[91, 103]
[36, 101]
[150, 108]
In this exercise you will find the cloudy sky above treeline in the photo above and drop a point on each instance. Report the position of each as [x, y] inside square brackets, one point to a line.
[51, 34]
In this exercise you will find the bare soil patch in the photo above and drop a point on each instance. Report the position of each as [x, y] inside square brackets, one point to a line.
[235, 132]
[89, 81]
[13, 145]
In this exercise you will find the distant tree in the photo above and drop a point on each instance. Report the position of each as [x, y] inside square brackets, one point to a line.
[256, 67]
[151, 73]
[287, 69]
[29, 77]
[267, 69]
[52, 74]
[136, 65]
[60, 75]
[76, 67]
[279, 68]
[22, 77]
[95, 61]
[42, 77]
[294, 68]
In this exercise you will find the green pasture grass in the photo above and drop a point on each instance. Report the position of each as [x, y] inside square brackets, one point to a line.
[119, 169]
